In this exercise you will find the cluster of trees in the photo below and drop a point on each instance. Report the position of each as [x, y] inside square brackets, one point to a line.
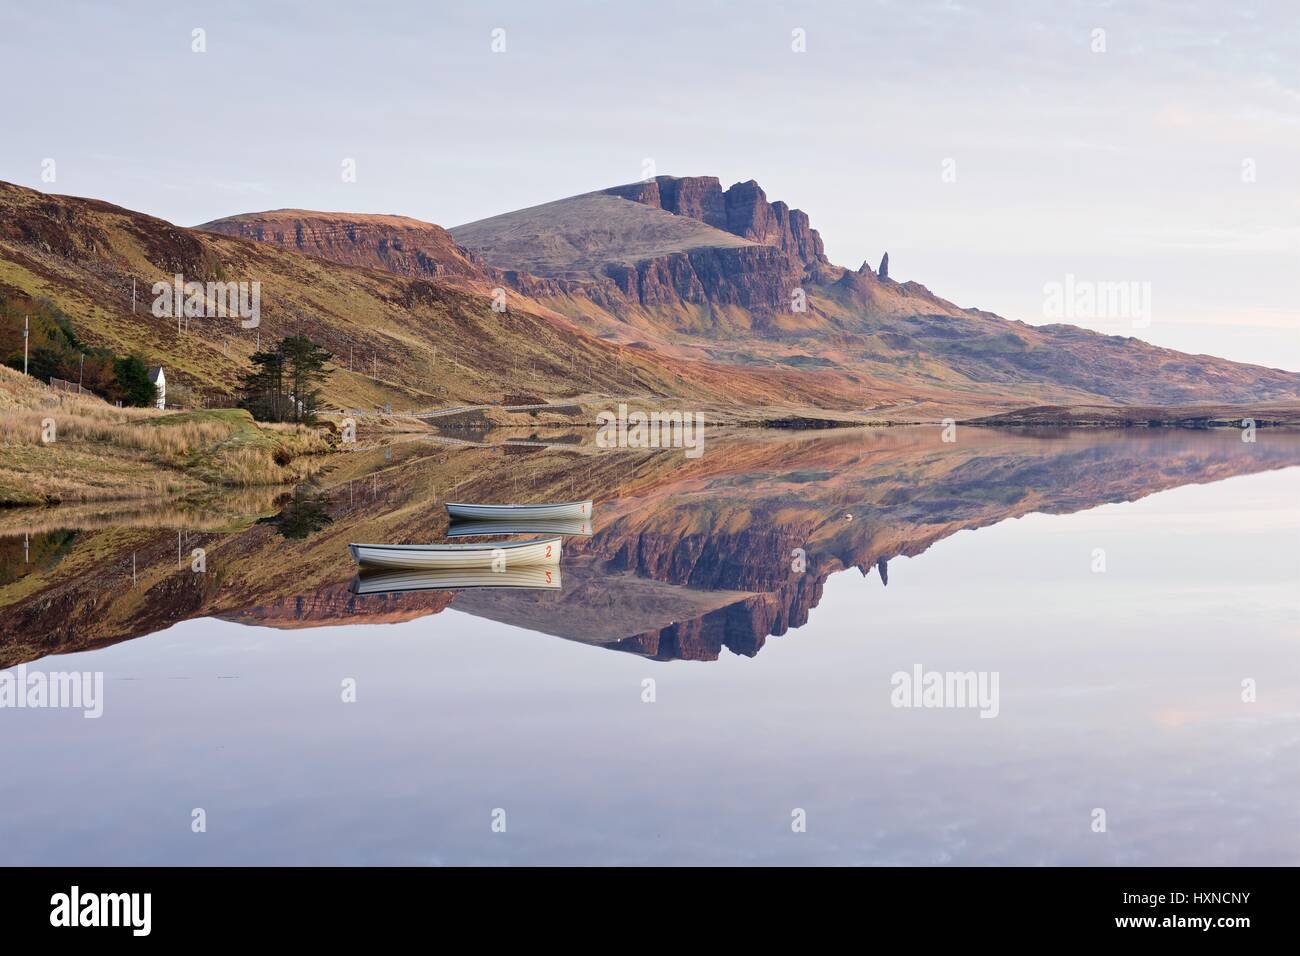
[285, 382]
[54, 351]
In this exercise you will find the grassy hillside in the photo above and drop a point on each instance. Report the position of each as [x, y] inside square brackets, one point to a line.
[579, 235]
[408, 342]
[56, 447]
[426, 335]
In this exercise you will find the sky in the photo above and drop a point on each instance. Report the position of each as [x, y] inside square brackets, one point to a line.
[994, 149]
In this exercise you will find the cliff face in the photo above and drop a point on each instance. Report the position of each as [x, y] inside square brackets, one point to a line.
[395, 243]
[743, 210]
[697, 197]
[759, 278]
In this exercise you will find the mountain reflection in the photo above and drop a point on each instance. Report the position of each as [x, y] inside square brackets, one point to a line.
[685, 557]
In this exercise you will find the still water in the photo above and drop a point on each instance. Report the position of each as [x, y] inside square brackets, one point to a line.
[716, 681]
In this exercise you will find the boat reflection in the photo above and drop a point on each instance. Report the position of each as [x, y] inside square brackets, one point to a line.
[388, 581]
[567, 526]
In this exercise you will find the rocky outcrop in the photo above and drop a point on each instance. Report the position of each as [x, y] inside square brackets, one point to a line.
[758, 278]
[751, 216]
[743, 210]
[697, 197]
[883, 272]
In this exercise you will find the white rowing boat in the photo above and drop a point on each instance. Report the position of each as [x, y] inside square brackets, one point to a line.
[388, 580]
[569, 526]
[571, 509]
[493, 554]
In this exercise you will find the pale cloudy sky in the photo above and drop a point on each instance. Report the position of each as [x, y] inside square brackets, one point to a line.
[1173, 157]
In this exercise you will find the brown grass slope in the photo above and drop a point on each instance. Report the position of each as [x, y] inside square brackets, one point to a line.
[412, 309]
[57, 447]
[415, 342]
[577, 237]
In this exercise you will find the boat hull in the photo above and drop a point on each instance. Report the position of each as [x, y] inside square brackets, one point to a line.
[489, 555]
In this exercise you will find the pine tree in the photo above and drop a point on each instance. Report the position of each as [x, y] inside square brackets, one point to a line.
[133, 383]
[262, 390]
[284, 383]
[305, 373]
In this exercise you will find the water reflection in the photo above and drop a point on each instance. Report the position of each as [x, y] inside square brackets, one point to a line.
[390, 581]
[305, 513]
[690, 557]
[1119, 690]
[20, 556]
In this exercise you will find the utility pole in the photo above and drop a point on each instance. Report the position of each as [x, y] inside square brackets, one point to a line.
[26, 320]
[133, 295]
[81, 372]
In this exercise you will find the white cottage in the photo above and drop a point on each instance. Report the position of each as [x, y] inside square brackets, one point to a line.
[160, 383]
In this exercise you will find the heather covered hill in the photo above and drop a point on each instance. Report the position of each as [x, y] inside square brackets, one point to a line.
[416, 339]
[576, 238]
[406, 246]
[668, 291]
